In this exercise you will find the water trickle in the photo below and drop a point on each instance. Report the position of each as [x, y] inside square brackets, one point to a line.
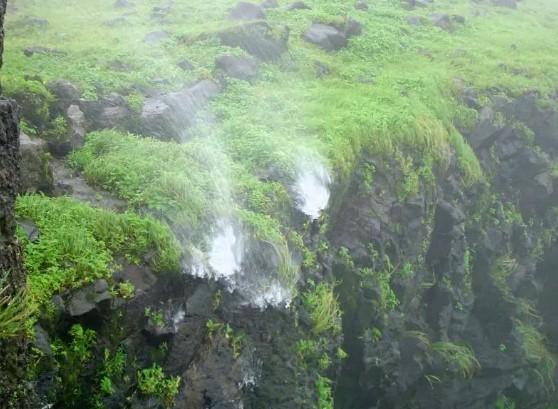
[312, 187]
[225, 256]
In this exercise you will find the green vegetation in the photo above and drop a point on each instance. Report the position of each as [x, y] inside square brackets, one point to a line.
[14, 310]
[153, 382]
[323, 391]
[323, 307]
[503, 402]
[461, 357]
[77, 244]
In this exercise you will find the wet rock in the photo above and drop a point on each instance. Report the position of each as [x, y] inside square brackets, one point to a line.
[458, 18]
[298, 5]
[270, 4]
[36, 174]
[91, 300]
[35, 22]
[413, 20]
[247, 11]
[156, 36]
[111, 111]
[351, 28]
[65, 93]
[30, 230]
[327, 37]
[418, 3]
[32, 50]
[441, 20]
[361, 5]
[170, 116]
[185, 65]
[243, 68]
[510, 4]
[125, 4]
[76, 126]
[485, 131]
[257, 39]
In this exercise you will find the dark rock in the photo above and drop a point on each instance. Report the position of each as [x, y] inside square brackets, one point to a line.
[413, 20]
[111, 111]
[30, 230]
[30, 51]
[298, 5]
[170, 117]
[36, 174]
[90, 300]
[322, 70]
[125, 4]
[118, 21]
[185, 65]
[351, 28]
[156, 36]
[35, 22]
[327, 37]
[243, 68]
[247, 11]
[119, 66]
[76, 127]
[510, 4]
[270, 4]
[257, 39]
[418, 3]
[65, 93]
[361, 5]
[458, 18]
[441, 20]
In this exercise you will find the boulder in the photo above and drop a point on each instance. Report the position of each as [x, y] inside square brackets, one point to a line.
[36, 174]
[361, 5]
[124, 4]
[413, 20]
[111, 111]
[170, 116]
[418, 3]
[247, 11]
[270, 4]
[91, 300]
[76, 126]
[30, 229]
[243, 68]
[35, 22]
[65, 94]
[510, 4]
[441, 20]
[185, 65]
[257, 39]
[298, 5]
[327, 37]
[32, 50]
[156, 36]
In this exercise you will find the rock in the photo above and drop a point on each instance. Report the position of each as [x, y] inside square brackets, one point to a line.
[458, 18]
[418, 3]
[361, 5]
[351, 28]
[111, 111]
[170, 116]
[119, 66]
[76, 126]
[441, 20]
[161, 11]
[298, 5]
[65, 93]
[90, 300]
[36, 174]
[270, 4]
[257, 39]
[510, 4]
[243, 68]
[125, 4]
[413, 20]
[247, 11]
[322, 70]
[156, 36]
[30, 51]
[327, 37]
[118, 21]
[30, 229]
[185, 65]
[35, 22]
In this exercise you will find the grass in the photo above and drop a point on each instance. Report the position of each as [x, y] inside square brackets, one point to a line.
[14, 311]
[77, 243]
[324, 309]
[461, 357]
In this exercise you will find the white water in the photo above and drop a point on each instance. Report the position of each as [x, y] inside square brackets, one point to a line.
[225, 256]
[312, 187]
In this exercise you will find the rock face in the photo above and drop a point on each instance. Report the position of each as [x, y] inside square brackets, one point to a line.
[257, 39]
[238, 67]
[13, 393]
[111, 111]
[36, 174]
[170, 116]
[90, 301]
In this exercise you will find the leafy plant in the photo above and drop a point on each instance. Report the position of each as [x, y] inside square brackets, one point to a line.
[323, 392]
[324, 309]
[460, 356]
[153, 382]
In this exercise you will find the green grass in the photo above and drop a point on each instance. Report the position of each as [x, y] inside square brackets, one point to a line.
[462, 357]
[14, 311]
[77, 243]
[324, 309]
